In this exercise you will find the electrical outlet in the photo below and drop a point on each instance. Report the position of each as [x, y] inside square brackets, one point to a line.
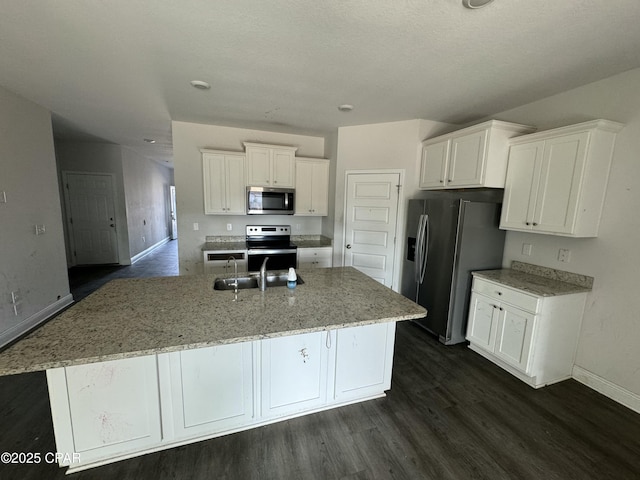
[298, 227]
[3, 197]
[144, 240]
[527, 248]
[229, 227]
[564, 255]
[40, 230]
[196, 226]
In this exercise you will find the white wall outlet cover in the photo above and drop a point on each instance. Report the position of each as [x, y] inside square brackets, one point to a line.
[3, 197]
[229, 227]
[527, 248]
[196, 226]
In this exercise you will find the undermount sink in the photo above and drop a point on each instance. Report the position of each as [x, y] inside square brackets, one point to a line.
[274, 279]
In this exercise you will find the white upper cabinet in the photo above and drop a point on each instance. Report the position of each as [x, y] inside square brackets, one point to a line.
[270, 165]
[557, 179]
[224, 182]
[312, 187]
[472, 157]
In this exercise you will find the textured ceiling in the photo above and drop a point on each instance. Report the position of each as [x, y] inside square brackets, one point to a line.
[119, 70]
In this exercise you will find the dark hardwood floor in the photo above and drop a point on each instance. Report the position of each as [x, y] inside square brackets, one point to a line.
[449, 415]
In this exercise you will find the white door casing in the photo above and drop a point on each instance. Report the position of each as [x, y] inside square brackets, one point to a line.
[371, 215]
[91, 218]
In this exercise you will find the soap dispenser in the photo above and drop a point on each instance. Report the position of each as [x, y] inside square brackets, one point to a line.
[292, 278]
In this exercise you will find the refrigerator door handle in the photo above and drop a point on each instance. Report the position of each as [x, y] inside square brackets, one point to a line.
[418, 250]
[421, 245]
[425, 248]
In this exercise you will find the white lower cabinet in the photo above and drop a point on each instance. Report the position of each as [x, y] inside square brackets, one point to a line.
[319, 257]
[533, 337]
[105, 410]
[294, 373]
[212, 389]
[364, 358]
[124, 408]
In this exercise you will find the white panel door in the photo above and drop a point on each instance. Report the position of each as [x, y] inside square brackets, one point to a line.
[91, 211]
[370, 224]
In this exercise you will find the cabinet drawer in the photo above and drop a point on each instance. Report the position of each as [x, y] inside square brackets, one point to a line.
[501, 293]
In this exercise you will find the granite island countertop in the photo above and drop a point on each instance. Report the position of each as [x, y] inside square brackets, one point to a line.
[143, 316]
[537, 280]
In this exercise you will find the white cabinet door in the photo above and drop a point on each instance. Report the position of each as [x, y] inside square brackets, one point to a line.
[364, 357]
[483, 321]
[315, 257]
[312, 187]
[514, 336]
[212, 388]
[106, 409]
[563, 164]
[434, 165]
[224, 184]
[294, 373]
[259, 166]
[467, 160]
[521, 189]
[235, 185]
[283, 168]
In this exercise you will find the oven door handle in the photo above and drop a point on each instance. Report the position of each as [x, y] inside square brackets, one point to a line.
[265, 251]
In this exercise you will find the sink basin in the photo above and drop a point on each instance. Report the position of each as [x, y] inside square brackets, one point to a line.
[274, 279]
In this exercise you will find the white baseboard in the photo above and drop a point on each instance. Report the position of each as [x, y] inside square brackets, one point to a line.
[146, 252]
[607, 388]
[35, 320]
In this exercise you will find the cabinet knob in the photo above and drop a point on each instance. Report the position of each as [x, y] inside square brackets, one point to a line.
[535, 224]
[441, 181]
[527, 223]
[498, 292]
[275, 181]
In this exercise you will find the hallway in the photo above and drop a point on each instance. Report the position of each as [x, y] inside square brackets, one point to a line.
[161, 262]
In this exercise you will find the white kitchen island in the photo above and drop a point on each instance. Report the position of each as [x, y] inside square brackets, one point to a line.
[147, 364]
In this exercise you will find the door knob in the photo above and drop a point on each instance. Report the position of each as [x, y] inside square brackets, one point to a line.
[349, 246]
[112, 225]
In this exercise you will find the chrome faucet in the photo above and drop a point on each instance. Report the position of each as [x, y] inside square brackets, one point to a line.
[263, 275]
[235, 268]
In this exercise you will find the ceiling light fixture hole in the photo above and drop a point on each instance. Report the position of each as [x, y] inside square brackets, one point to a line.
[200, 85]
[476, 3]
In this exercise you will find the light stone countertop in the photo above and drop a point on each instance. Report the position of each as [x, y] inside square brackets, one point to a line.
[143, 316]
[216, 243]
[544, 282]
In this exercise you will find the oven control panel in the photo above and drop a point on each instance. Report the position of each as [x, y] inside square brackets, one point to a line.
[268, 230]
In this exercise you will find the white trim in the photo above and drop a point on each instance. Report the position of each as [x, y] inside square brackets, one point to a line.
[35, 320]
[607, 388]
[146, 252]
[400, 219]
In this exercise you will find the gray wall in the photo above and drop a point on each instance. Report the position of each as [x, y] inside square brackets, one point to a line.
[34, 264]
[146, 186]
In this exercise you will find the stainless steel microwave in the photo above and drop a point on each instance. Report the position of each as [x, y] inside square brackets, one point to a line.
[270, 201]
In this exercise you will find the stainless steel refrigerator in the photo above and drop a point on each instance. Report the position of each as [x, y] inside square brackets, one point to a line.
[449, 235]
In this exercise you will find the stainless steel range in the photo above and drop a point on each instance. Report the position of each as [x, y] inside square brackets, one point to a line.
[273, 241]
